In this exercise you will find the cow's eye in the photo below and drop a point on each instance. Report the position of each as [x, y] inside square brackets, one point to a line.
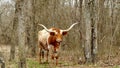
[52, 33]
[64, 33]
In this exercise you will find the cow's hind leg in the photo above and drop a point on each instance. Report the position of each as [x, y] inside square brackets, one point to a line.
[39, 54]
[47, 54]
[42, 53]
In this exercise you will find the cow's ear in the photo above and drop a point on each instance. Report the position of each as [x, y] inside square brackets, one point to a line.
[64, 33]
[52, 33]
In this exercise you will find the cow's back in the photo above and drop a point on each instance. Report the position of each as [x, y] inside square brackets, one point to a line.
[43, 37]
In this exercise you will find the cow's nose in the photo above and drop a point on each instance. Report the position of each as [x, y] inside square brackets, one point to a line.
[55, 51]
[59, 40]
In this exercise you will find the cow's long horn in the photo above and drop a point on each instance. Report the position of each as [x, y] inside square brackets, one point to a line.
[69, 27]
[45, 28]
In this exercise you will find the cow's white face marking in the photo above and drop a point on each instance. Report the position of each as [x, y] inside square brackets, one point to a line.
[61, 31]
[54, 31]
[48, 46]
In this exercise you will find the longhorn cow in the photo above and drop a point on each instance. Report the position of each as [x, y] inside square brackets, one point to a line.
[49, 40]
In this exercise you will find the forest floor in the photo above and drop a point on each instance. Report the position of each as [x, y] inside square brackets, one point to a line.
[33, 63]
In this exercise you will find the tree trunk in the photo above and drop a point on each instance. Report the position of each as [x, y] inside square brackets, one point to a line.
[94, 30]
[2, 62]
[32, 29]
[12, 49]
[87, 18]
[90, 48]
[21, 12]
[111, 29]
[94, 42]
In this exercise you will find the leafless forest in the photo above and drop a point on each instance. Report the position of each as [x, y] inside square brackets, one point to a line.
[93, 43]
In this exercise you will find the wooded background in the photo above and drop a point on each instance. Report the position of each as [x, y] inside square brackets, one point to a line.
[96, 39]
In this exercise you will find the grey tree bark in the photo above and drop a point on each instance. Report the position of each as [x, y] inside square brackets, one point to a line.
[14, 29]
[21, 12]
[87, 48]
[2, 62]
[94, 21]
[31, 31]
[90, 48]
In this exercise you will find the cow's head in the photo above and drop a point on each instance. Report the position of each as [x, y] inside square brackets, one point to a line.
[57, 34]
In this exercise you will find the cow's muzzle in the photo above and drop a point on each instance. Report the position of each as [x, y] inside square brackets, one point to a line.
[59, 40]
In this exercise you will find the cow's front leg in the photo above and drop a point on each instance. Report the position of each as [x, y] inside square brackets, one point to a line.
[56, 60]
[55, 57]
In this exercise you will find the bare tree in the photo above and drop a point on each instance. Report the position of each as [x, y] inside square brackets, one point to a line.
[30, 27]
[87, 48]
[94, 21]
[33, 29]
[14, 29]
[21, 28]
[2, 62]
[91, 31]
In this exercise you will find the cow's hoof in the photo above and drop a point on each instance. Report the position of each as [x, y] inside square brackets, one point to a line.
[45, 63]
[40, 62]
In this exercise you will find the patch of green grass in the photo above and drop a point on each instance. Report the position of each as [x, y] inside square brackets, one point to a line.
[12, 64]
[116, 66]
[35, 64]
